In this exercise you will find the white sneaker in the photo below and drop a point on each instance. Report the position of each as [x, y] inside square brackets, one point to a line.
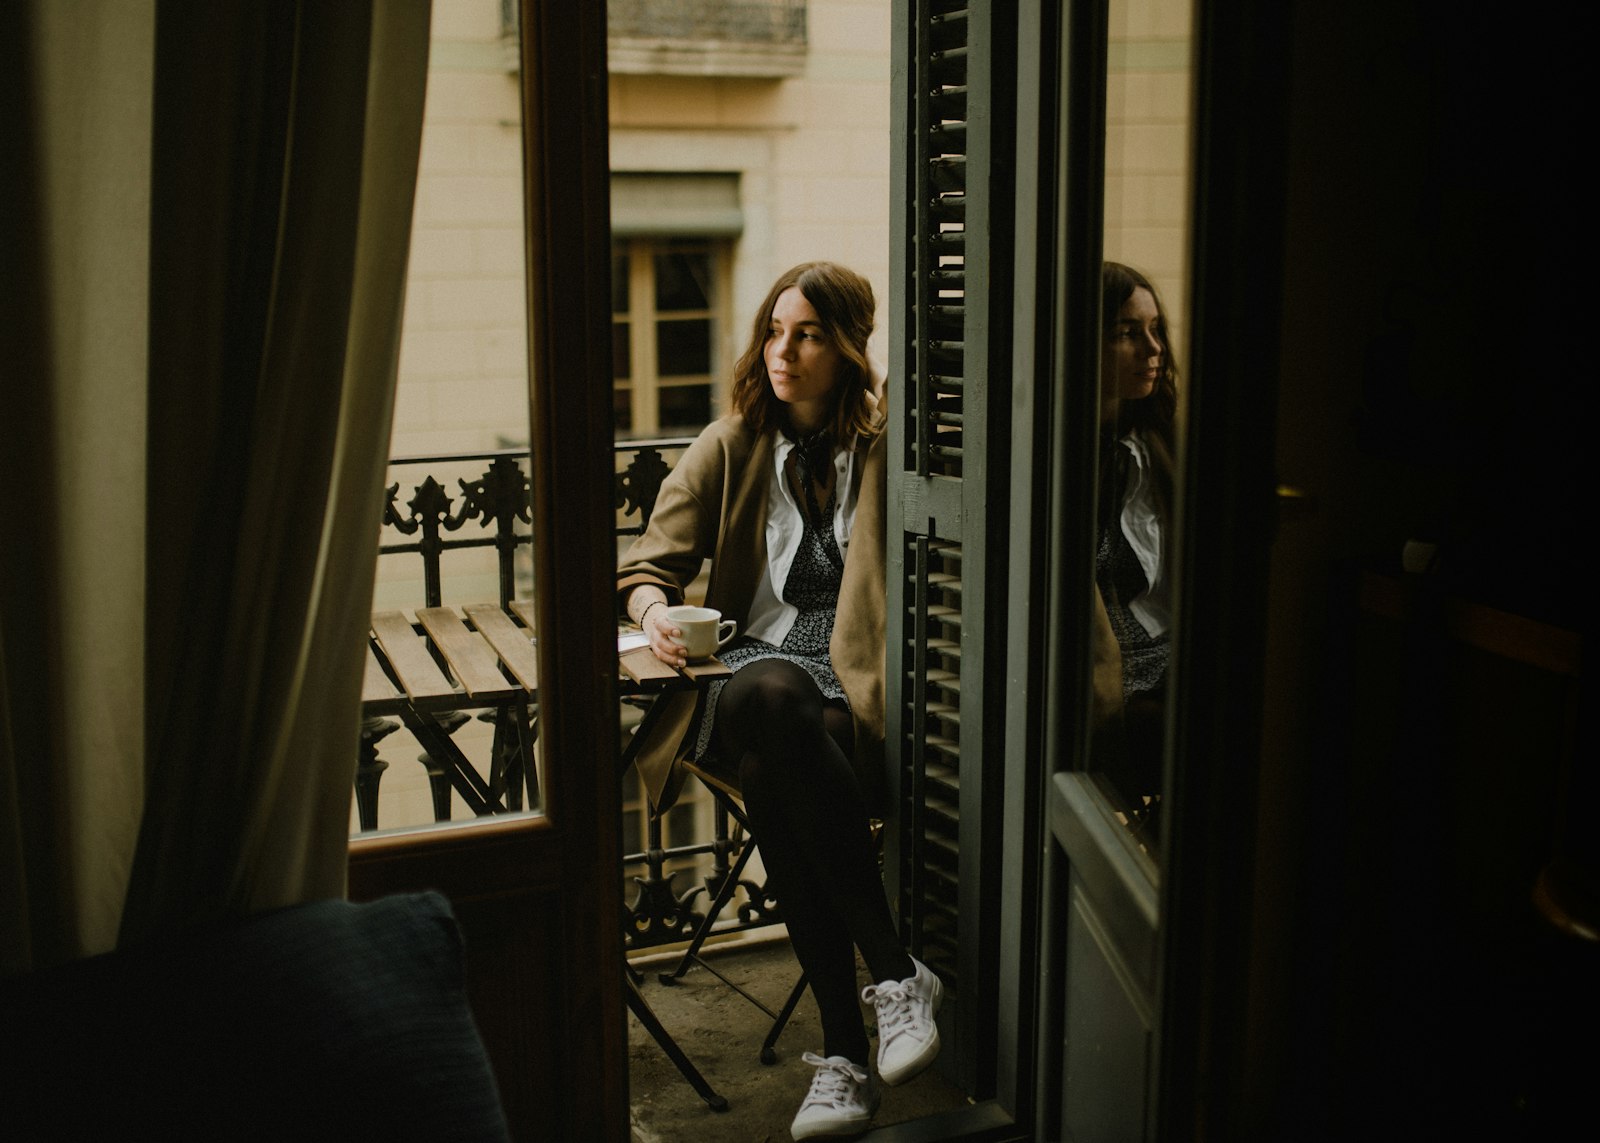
[842, 1100]
[908, 1039]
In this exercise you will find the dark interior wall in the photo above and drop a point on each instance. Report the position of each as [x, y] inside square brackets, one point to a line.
[1436, 234]
[1432, 375]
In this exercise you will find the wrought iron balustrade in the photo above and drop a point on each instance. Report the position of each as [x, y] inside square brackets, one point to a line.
[491, 509]
[480, 502]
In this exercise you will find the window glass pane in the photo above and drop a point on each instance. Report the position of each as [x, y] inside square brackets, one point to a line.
[621, 350]
[622, 410]
[683, 281]
[679, 824]
[619, 282]
[461, 399]
[683, 348]
[685, 409]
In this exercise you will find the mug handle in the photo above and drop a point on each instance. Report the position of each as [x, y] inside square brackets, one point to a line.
[733, 629]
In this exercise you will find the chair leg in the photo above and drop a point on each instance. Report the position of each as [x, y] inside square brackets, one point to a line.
[769, 1047]
[730, 885]
[653, 1025]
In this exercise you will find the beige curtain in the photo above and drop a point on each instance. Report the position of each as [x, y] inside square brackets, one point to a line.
[205, 214]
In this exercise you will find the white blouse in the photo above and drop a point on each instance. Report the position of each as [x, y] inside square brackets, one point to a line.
[770, 617]
[1141, 524]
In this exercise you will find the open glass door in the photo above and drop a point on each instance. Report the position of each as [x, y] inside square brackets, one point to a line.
[1119, 370]
[536, 893]
[1037, 509]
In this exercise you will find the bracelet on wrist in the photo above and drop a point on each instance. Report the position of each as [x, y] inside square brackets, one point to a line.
[643, 614]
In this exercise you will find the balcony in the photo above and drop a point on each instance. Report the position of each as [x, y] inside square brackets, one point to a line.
[734, 38]
[456, 531]
[759, 38]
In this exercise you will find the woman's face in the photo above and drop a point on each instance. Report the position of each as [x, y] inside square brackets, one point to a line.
[803, 365]
[1131, 361]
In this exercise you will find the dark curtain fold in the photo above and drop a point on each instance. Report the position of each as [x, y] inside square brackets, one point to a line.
[280, 172]
[74, 129]
[34, 894]
[284, 164]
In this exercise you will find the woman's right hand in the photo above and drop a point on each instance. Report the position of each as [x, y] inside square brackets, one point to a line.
[664, 635]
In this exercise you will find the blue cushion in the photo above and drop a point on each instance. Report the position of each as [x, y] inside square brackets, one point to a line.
[320, 1020]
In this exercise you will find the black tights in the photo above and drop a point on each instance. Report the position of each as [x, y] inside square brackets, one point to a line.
[810, 819]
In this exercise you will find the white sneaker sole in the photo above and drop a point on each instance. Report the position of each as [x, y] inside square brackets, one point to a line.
[843, 1128]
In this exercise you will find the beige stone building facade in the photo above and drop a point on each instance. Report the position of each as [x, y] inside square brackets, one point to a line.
[1149, 69]
[731, 161]
[746, 137]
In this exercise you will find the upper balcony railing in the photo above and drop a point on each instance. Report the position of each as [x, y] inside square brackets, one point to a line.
[750, 38]
[488, 508]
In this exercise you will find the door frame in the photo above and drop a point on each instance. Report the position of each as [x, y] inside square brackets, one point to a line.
[539, 899]
[1240, 142]
[1063, 199]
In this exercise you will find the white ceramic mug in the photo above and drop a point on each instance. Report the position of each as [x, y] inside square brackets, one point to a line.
[704, 630]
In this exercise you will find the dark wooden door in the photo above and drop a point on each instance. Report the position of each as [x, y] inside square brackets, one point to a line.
[539, 897]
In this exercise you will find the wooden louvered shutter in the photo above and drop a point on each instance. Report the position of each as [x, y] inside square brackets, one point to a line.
[949, 349]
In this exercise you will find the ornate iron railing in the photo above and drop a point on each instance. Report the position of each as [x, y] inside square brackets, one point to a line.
[491, 508]
[439, 505]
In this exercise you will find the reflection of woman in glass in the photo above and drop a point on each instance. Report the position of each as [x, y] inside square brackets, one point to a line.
[785, 497]
[1138, 406]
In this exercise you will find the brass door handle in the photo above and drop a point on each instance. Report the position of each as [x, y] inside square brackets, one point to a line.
[1295, 501]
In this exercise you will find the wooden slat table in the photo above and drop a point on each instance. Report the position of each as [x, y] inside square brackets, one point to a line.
[379, 696]
[483, 657]
[430, 692]
[647, 671]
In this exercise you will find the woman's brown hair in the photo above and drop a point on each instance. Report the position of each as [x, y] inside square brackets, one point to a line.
[844, 304]
[1154, 416]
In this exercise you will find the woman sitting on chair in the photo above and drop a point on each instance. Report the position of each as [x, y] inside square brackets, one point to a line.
[785, 496]
[1138, 415]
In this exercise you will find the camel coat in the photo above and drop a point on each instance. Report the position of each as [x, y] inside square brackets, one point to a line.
[714, 506]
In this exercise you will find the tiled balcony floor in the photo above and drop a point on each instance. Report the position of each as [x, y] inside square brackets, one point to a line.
[722, 1033]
